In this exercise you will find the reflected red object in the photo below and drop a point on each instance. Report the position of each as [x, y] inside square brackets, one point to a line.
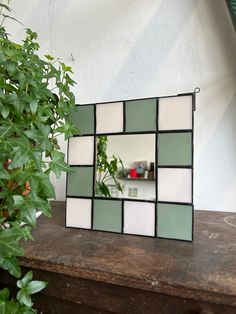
[133, 173]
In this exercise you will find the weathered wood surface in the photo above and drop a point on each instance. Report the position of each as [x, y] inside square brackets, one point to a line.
[203, 271]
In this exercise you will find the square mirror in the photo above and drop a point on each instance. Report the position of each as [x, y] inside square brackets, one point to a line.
[133, 167]
[125, 166]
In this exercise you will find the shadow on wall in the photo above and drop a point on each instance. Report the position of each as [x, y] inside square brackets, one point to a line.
[147, 56]
[224, 26]
[217, 161]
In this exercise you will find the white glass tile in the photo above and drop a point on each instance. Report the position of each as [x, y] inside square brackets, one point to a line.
[175, 185]
[175, 113]
[81, 150]
[78, 213]
[109, 117]
[139, 218]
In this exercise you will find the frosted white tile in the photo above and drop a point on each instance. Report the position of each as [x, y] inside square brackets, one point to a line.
[109, 117]
[139, 218]
[81, 150]
[78, 213]
[175, 113]
[175, 185]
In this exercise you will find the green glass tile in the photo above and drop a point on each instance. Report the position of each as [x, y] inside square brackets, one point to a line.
[175, 149]
[141, 115]
[107, 215]
[80, 182]
[84, 119]
[174, 221]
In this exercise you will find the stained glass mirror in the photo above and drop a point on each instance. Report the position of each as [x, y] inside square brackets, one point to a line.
[143, 185]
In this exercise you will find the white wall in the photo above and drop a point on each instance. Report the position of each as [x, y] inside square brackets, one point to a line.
[132, 148]
[138, 48]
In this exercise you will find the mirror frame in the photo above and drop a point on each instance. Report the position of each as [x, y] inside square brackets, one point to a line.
[78, 209]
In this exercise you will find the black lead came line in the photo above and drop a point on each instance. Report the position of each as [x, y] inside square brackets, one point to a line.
[111, 198]
[197, 90]
[136, 99]
[128, 200]
[94, 166]
[136, 132]
[156, 167]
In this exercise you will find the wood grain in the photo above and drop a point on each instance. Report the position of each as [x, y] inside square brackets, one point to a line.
[125, 268]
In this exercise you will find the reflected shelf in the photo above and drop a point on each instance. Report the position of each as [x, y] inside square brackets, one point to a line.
[136, 179]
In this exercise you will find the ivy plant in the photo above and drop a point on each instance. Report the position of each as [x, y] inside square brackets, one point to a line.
[36, 104]
[108, 169]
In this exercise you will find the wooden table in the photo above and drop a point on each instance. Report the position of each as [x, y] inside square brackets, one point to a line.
[97, 272]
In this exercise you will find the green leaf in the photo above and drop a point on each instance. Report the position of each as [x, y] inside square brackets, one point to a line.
[5, 111]
[66, 68]
[50, 58]
[9, 243]
[11, 68]
[14, 99]
[24, 298]
[22, 152]
[28, 215]
[13, 307]
[46, 188]
[20, 201]
[4, 294]
[34, 106]
[11, 265]
[47, 112]
[57, 165]
[32, 35]
[40, 135]
[36, 155]
[4, 174]
[35, 286]
[32, 201]
[8, 307]
[22, 283]
[67, 128]
[102, 189]
[20, 158]
[28, 287]
[26, 310]
[23, 231]
[21, 177]
[7, 128]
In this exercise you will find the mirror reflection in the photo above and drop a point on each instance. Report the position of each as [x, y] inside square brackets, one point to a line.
[125, 166]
